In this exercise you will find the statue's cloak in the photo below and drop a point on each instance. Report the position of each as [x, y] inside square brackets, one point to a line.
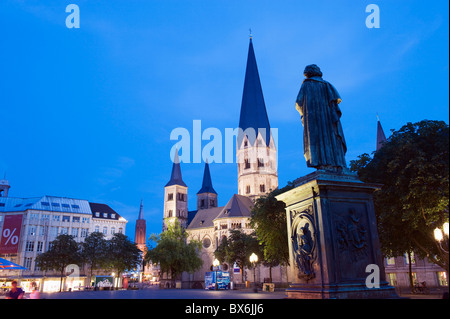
[323, 139]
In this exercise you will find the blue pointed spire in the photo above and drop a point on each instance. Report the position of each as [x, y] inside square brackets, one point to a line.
[141, 210]
[207, 183]
[175, 178]
[253, 108]
[381, 138]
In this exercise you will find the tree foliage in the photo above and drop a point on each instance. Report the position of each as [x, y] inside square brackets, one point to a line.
[237, 248]
[63, 251]
[94, 251]
[118, 253]
[126, 255]
[269, 221]
[413, 166]
[173, 253]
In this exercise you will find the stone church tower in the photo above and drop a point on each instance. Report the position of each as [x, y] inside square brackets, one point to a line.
[140, 230]
[256, 153]
[175, 197]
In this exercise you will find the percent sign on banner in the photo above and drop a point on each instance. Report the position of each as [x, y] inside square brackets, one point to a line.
[9, 240]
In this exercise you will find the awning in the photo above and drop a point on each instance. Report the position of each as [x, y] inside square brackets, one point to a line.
[6, 264]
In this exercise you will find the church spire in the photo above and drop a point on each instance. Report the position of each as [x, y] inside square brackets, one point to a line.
[253, 109]
[381, 138]
[175, 178]
[256, 152]
[207, 183]
[141, 210]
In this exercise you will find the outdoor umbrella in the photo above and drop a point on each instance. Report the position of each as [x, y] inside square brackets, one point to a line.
[6, 264]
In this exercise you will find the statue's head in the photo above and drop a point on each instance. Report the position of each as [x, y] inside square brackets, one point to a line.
[312, 70]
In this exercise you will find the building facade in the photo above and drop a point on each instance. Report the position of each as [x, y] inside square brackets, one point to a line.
[256, 158]
[29, 225]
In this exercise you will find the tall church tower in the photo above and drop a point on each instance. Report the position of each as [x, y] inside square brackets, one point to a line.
[256, 153]
[206, 196]
[140, 230]
[175, 197]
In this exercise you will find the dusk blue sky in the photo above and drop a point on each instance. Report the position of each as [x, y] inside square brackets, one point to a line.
[87, 113]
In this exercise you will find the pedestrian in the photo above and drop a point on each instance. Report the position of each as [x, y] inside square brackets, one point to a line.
[15, 293]
[34, 291]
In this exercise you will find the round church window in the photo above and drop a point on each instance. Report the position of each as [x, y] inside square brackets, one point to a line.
[206, 242]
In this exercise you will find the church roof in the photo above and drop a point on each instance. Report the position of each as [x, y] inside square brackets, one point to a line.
[253, 109]
[204, 218]
[207, 183]
[175, 177]
[381, 138]
[237, 206]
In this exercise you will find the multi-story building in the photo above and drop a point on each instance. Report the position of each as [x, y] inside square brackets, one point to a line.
[397, 273]
[29, 225]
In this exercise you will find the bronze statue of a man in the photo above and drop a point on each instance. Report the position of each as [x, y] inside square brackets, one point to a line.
[323, 139]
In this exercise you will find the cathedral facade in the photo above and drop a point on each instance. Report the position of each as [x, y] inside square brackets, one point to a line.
[256, 157]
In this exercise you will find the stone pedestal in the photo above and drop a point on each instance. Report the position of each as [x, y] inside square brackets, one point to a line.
[333, 240]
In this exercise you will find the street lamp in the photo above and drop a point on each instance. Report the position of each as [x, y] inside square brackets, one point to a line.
[439, 235]
[254, 260]
[216, 264]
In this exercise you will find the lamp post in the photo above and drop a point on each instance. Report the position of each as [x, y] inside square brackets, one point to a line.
[216, 264]
[114, 280]
[440, 236]
[254, 260]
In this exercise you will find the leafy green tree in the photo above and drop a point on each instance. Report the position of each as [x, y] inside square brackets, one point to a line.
[269, 221]
[173, 253]
[63, 251]
[94, 251]
[413, 167]
[237, 248]
[122, 254]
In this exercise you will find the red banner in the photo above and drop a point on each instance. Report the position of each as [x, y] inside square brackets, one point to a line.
[10, 236]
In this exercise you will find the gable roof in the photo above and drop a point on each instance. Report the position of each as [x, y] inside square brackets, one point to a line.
[204, 218]
[237, 206]
[103, 209]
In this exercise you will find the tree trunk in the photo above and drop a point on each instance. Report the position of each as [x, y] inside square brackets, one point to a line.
[61, 279]
[411, 283]
[270, 273]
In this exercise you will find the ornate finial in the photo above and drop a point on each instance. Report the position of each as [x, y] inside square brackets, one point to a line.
[378, 118]
[250, 33]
